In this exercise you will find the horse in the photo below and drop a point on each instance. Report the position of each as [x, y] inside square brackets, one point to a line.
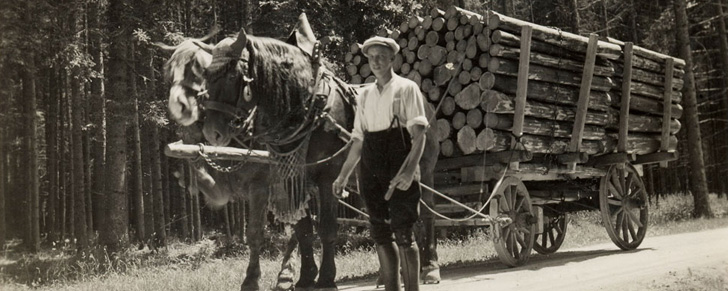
[266, 92]
[184, 71]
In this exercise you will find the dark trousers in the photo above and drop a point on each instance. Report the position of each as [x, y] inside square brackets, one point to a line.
[383, 153]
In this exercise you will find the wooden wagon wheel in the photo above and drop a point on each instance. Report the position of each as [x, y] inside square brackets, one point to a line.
[513, 242]
[554, 232]
[623, 203]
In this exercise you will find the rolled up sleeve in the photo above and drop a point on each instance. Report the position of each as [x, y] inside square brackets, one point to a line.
[415, 108]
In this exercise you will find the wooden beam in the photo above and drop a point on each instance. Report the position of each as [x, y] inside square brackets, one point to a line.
[188, 151]
[667, 109]
[581, 107]
[626, 97]
[522, 86]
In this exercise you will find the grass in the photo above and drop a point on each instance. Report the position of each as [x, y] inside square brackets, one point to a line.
[210, 265]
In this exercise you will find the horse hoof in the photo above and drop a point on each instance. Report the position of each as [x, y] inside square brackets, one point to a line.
[430, 275]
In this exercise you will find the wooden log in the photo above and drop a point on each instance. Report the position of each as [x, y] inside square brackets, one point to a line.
[467, 65]
[425, 68]
[648, 90]
[370, 79]
[458, 120]
[474, 118]
[464, 77]
[187, 151]
[648, 105]
[546, 74]
[642, 123]
[483, 41]
[471, 48]
[356, 79]
[352, 70]
[384, 32]
[483, 61]
[415, 77]
[443, 129]
[433, 38]
[438, 55]
[447, 148]
[426, 85]
[358, 60]
[365, 70]
[454, 57]
[437, 12]
[498, 50]
[409, 56]
[455, 88]
[414, 21]
[405, 68]
[563, 39]
[423, 52]
[508, 39]
[348, 57]
[466, 138]
[354, 48]
[434, 94]
[528, 172]
[544, 144]
[642, 144]
[452, 23]
[475, 73]
[652, 78]
[397, 63]
[488, 159]
[497, 102]
[651, 66]
[544, 91]
[443, 73]
[542, 127]
[427, 22]
[652, 55]
[438, 24]
[485, 140]
[413, 43]
[461, 46]
[404, 27]
[448, 106]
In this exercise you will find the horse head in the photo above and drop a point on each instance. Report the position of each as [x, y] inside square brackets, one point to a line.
[185, 72]
[257, 86]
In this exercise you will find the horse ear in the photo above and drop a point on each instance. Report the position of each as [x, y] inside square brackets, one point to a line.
[240, 42]
[204, 46]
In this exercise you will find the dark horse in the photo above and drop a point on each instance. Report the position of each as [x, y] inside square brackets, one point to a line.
[185, 72]
[267, 93]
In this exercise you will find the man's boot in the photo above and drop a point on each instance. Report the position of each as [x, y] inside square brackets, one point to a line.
[410, 260]
[389, 266]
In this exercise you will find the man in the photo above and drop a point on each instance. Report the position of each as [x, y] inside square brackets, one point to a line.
[388, 137]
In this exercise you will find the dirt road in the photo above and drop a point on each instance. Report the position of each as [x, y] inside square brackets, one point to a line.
[597, 267]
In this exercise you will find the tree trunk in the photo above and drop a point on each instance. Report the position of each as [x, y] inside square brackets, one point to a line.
[575, 18]
[3, 171]
[160, 239]
[698, 183]
[31, 146]
[723, 35]
[52, 153]
[97, 112]
[138, 186]
[113, 232]
[77, 123]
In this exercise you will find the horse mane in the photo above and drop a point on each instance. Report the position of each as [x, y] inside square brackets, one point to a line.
[185, 53]
[283, 75]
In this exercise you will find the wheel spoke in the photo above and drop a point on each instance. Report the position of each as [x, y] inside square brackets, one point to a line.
[614, 202]
[618, 223]
[634, 218]
[543, 239]
[520, 204]
[614, 190]
[630, 181]
[622, 183]
[552, 238]
[514, 196]
[625, 229]
[632, 231]
[617, 185]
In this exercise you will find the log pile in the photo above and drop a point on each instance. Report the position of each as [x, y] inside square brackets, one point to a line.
[499, 82]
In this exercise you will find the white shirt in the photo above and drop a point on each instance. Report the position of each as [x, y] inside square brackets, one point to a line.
[375, 111]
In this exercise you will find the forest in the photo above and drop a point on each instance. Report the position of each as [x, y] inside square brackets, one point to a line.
[84, 122]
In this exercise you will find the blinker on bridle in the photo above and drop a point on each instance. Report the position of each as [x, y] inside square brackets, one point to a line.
[235, 111]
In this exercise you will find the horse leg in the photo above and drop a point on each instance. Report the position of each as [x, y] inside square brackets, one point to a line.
[287, 274]
[254, 234]
[327, 231]
[309, 271]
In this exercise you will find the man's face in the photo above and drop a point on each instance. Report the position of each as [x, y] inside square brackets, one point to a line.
[380, 59]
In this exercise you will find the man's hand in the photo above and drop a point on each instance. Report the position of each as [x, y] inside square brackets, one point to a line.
[402, 181]
[339, 188]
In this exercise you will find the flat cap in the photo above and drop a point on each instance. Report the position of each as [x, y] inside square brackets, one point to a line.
[378, 40]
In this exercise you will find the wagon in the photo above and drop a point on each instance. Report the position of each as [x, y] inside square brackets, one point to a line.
[536, 123]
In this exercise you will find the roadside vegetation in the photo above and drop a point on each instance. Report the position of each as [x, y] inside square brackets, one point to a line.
[213, 264]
